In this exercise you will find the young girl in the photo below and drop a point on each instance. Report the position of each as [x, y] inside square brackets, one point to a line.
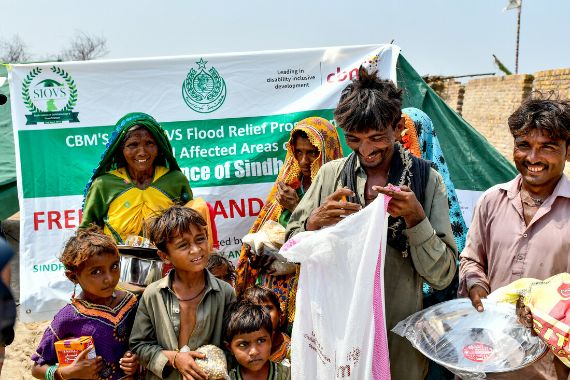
[91, 261]
[281, 342]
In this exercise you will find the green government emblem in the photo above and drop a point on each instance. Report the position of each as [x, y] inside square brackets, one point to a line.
[204, 91]
[50, 96]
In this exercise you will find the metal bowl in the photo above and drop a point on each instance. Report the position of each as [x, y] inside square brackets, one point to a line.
[140, 266]
[464, 340]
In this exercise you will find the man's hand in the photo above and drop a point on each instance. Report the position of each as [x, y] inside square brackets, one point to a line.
[403, 203]
[524, 315]
[187, 366]
[259, 261]
[334, 208]
[286, 196]
[476, 293]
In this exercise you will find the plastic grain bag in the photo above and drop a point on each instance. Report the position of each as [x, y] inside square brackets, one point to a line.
[549, 302]
[267, 241]
[340, 288]
[214, 364]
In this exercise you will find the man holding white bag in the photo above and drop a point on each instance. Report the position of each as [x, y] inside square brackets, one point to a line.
[420, 244]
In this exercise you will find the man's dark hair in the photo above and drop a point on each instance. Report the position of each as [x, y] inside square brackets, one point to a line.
[549, 116]
[244, 317]
[369, 103]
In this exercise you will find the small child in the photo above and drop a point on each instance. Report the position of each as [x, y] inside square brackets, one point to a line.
[248, 330]
[281, 342]
[185, 309]
[222, 268]
[91, 260]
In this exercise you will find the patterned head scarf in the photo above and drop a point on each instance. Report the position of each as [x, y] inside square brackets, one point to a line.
[323, 135]
[421, 140]
[114, 145]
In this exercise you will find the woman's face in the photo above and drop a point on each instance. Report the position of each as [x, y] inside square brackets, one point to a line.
[140, 150]
[305, 154]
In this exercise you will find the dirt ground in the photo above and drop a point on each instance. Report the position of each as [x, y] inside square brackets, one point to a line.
[17, 363]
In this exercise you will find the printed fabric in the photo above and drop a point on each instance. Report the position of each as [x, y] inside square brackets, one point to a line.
[283, 353]
[324, 136]
[109, 327]
[427, 147]
[430, 149]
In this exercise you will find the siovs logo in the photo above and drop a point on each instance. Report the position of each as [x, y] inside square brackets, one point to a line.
[204, 91]
[50, 96]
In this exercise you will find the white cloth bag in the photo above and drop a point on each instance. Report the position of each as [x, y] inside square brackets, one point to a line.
[340, 329]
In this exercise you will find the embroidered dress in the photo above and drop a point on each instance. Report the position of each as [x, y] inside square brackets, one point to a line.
[428, 148]
[113, 202]
[277, 371]
[283, 353]
[421, 140]
[109, 327]
[324, 137]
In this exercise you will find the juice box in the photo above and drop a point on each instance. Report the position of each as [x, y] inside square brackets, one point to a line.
[68, 349]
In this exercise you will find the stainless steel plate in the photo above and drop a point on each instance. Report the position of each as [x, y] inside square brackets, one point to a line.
[458, 337]
[140, 252]
[139, 271]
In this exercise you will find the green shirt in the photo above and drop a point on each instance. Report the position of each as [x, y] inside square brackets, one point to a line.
[432, 258]
[277, 371]
[157, 323]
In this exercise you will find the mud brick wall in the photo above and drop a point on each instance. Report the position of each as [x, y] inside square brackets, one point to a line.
[555, 81]
[451, 91]
[488, 103]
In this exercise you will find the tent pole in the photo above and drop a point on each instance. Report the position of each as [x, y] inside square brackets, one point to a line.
[518, 38]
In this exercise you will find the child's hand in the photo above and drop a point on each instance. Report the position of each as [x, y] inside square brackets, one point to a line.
[129, 363]
[82, 368]
[187, 366]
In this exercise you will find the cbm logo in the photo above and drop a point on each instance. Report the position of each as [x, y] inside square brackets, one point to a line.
[370, 63]
[50, 96]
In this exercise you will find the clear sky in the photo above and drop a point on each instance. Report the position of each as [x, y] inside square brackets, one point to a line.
[445, 37]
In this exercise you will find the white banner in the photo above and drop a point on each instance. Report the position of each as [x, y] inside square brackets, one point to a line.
[230, 144]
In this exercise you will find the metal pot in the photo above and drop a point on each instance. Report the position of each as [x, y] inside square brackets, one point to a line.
[140, 266]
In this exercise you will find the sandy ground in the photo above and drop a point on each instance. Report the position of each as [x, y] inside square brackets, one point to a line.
[17, 363]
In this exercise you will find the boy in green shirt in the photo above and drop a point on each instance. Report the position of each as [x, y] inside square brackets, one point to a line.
[248, 330]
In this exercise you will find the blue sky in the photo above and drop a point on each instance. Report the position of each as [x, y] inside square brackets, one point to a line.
[446, 37]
